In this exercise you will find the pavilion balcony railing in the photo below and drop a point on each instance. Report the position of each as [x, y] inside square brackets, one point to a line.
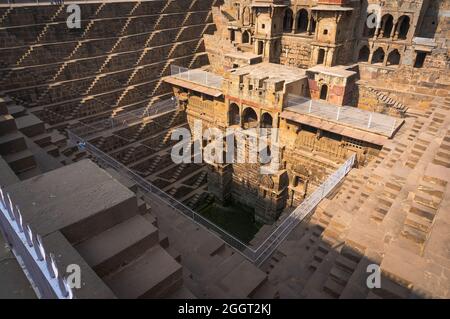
[256, 255]
[371, 121]
[197, 76]
[38, 265]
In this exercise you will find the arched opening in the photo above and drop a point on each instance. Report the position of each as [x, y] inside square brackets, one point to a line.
[324, 92]
[321, 57]
[364, 54]
[288, 20]
[378, 56]
[233, 115]
[403, 27]
[302, 20]
[266, 121]
[369, 32]
[245, 37]
[393, 58]
[260, 47]
[232, 35]
[249, 118]
[312, 26]
[388, 24]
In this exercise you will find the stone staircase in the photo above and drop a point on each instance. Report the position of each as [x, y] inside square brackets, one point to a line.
[383, 193]
[200, 179]
[178, 172]
[129, 154]
[388, 213]
[5, 14]
[49, 90]
[402, 109]
[155, 163]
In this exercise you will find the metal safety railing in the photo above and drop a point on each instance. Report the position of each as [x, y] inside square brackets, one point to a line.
[197, 76]
[256, 255]
[124, 119]
[272, 242]
[371, 121]
[39, 266]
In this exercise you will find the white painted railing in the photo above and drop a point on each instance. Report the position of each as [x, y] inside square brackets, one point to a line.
[197, 76]
[256, 255]
[39, 266]
[371, 121]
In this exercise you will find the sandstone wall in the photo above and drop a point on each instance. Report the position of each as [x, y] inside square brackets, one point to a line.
[296, 51]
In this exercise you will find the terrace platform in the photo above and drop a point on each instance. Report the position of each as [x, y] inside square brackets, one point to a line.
[371, 127]
[197, 80]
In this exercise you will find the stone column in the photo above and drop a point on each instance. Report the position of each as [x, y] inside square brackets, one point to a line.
[325, 58]
[375, 35]
[330, 56]
[308, 28]
[370, 57]
[380, 31]
[385, 58]
[294, 23]
[394, 32]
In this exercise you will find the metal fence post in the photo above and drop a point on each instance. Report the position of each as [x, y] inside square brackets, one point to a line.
[370, 121]
[393, 127]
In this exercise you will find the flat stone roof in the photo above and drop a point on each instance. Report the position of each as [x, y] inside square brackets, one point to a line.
[67, 195]
[243, 55]
[337, 128]
[329, 7]
[193, 86]
[271, 72]
[334, 71]
[367, 126]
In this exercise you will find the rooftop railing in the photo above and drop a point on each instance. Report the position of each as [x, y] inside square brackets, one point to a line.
[197, 76]
[370, 121]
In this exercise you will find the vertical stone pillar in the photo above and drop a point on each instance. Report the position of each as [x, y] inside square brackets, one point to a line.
[294, 23]
[308, 28]
[394, 31]
[385, 58]
[370, 57]
[330, 57]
